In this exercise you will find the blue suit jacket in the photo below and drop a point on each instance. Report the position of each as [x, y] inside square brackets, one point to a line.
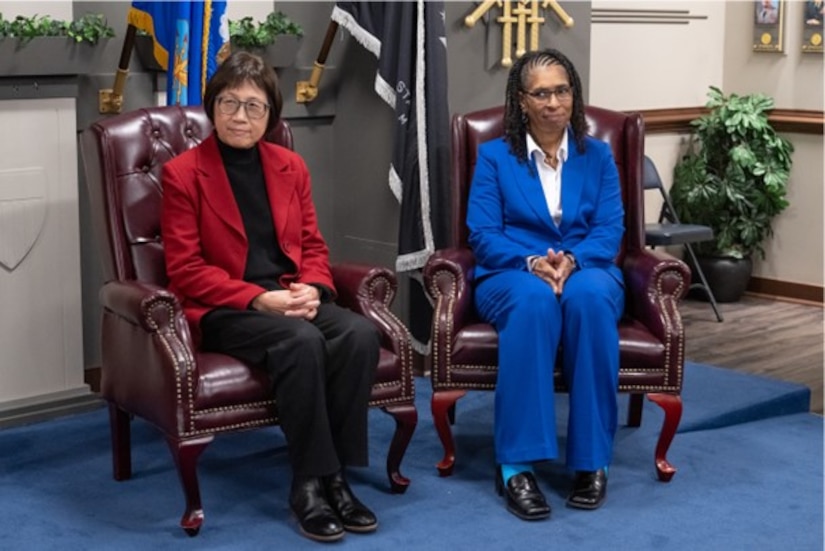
[509, 220]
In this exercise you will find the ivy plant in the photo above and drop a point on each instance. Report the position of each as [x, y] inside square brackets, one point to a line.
[734, 175]
[90, 28]
[247, 33]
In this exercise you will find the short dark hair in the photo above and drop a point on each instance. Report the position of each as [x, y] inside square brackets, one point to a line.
[515, 127]
[238, 68]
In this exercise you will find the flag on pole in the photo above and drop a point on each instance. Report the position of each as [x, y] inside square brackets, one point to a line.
[190, 40]
[409, 41]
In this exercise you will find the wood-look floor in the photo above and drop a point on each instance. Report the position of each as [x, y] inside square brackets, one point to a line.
[774, 338]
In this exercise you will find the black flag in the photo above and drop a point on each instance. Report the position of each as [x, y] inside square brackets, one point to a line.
[409, 41]
[408, 38]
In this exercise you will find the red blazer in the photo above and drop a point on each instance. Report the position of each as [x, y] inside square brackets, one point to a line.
[203, 233]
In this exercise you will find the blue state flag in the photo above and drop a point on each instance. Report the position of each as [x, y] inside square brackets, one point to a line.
[190, 40]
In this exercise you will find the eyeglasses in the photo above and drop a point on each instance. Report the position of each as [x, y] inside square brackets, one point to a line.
[254, 109]
[563, 93]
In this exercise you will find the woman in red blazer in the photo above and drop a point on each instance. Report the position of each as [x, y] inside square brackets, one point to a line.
[244, 253]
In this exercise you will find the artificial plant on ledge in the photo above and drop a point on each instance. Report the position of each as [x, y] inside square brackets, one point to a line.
[247, 34]
[42, 46]
[275, 39]
[90, 28]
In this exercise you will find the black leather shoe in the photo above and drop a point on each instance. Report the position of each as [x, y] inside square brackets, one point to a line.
[317, 520]
[354, 515]
[589, 490]
[524, 499]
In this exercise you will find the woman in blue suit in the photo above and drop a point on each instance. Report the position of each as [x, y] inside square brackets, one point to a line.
[546, 220]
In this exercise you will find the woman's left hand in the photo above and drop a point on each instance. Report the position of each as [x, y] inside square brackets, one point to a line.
[299, 301]
[554, 268]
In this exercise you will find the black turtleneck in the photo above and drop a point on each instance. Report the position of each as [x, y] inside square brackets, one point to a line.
[265, 262]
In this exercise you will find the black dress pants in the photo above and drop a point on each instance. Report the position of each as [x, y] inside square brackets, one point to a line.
[322, 372]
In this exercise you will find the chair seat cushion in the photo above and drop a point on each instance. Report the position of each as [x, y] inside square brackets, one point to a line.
[226, 382]
[638, 348]
[474, 355]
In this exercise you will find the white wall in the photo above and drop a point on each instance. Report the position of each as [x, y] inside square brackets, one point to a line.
[795, 80]
[54, 9]
[652, 66]
[41, 320]
[257, 9]
[655, 66]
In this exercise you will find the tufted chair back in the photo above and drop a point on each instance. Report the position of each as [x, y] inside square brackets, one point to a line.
[623, 132]
[651, 336]
[128, 204]
[150, 366]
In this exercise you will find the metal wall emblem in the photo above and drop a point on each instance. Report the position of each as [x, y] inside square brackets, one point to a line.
[520, 17]
[23, 206]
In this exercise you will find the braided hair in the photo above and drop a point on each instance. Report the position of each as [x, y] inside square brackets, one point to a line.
[515, 123]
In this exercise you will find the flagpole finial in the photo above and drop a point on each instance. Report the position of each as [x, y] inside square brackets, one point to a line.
[110, 100]
[307, 90]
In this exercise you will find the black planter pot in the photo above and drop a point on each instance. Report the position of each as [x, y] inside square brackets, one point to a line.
[727, 277]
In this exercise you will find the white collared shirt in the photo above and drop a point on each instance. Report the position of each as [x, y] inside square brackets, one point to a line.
[550, 177]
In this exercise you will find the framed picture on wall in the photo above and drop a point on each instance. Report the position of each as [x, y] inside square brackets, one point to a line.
[812, 30]
[768, 25]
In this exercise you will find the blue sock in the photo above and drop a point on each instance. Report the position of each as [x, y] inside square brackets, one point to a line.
[511, 469]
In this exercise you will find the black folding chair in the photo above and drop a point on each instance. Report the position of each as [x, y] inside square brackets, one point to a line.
[669, 231]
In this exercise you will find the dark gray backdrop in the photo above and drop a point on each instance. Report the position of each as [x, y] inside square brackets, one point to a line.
[344, 135]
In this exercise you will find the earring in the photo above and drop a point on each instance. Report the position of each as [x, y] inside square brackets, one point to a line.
[523, 117]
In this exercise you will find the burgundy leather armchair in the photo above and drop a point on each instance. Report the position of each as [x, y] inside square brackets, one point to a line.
[651, 335]
[150, 366]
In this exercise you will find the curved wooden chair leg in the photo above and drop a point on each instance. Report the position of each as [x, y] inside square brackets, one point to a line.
[442, 404]
[186, 453]
[406, 419]
[672, 406]
[121, 432]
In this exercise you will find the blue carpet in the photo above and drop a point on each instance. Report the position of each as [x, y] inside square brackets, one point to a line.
[750, 462]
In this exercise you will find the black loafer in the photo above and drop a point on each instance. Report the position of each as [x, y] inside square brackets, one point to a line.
[524, 498]
[589, 490]
[316, 519]
[354, 515]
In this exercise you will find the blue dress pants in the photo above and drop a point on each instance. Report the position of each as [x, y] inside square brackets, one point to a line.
[532, 323]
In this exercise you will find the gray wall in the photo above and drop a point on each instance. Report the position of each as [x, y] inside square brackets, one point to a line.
[344, 135]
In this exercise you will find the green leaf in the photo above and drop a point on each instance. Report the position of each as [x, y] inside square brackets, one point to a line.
[734, 174]
[246, 33]
[89, 28]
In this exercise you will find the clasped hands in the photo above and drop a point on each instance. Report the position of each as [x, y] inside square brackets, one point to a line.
[554, 268]
[299, 301]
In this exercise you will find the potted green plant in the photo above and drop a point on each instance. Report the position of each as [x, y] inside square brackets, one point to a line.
[40, 45]
[734, 179]
[276, 38]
